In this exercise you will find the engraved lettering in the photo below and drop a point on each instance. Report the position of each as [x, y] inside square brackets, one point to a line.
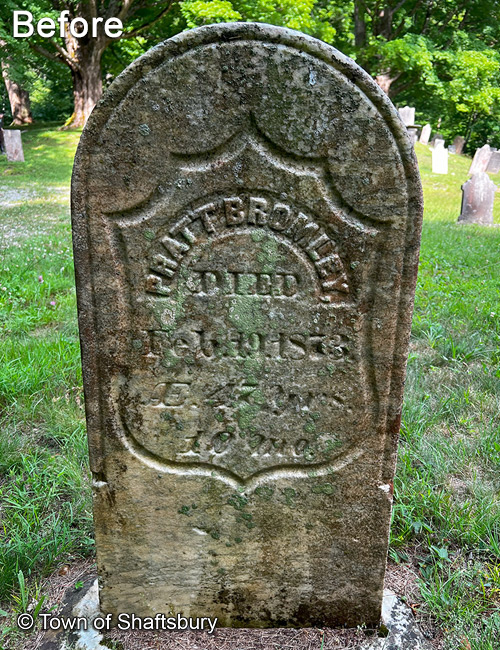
[176, 248]
[207, 214]
[154, 284]
[257, 211]
[234, 211]
[163, 265]
[280, 216]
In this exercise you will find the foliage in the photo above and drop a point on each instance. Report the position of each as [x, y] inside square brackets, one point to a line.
[441, 57]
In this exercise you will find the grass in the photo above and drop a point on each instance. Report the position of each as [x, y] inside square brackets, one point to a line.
[446, 517]
[44, 481]
[447, 483]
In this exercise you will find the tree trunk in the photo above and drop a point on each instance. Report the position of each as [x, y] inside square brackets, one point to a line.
[19, 100]
[383, 24]
[359, 25]
[87, 90]
[83, 56]
[385, 81]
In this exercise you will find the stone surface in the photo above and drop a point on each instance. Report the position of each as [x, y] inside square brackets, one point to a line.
[407, 114]
[76, 604]
[403, 633]
[439, 158]
[494, 163]
[481, 160]
[397, 623]
[478, 194]
[425, 134]
[246, 259]
[13, 145]
[458, 143]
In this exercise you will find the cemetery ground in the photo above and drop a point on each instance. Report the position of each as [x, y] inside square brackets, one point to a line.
[445, 539]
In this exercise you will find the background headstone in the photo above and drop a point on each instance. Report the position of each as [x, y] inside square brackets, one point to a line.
[413, 133]
[451, 149]
[494, 163]
[13, 145]
[480, 160]
[478, 194]
[246, 259]
[426, 133]
[435, 138]
[407, 114]
[439, 158]
[458, 143]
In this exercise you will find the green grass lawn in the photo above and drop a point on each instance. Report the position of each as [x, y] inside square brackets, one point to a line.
[446, 510]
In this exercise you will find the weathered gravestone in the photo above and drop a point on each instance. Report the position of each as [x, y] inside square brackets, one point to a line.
[13, 145]
[407, 114]
[413, 133]
[425, 134]
[478, 194]
[480, 160]
[436, 138]
[494, 162]
[458, 143]
[439, 158]
[246, 260]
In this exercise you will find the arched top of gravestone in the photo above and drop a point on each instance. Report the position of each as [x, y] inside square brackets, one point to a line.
[203, 94]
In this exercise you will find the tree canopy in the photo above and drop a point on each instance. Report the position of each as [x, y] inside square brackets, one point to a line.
[441, 56]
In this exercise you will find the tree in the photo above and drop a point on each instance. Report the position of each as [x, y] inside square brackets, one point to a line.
[307, 16]
[19, 98]
[83, 54]
[441, 56]
[18, 95]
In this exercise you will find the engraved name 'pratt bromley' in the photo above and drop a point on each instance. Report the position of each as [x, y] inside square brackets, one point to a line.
[246, 260]
[256, 212]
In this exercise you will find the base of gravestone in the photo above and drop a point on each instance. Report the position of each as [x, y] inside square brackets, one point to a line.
[402, 631]
[398, 629]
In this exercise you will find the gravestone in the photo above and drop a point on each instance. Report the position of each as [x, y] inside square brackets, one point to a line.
[246, 259]
[407, 114]
[413, 133]
[13, 145]
[439, 158]
[425, 134]
[458, 143]
[436, 138]
[494, 163]
[478, 194]
[480, 160]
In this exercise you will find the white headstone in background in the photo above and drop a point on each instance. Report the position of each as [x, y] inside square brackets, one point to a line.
[426, 134]
[407, 114]
[13, 145]
[439, 158]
